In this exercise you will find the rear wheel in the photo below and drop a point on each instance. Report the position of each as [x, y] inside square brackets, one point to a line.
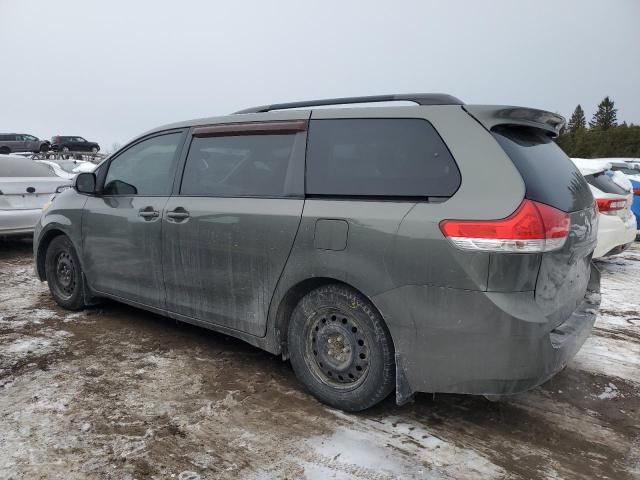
[64, 274]
[44, 148]
[5, 150]
[94, 149]
[340, 348]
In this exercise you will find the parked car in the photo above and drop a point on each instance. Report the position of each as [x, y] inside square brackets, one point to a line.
[631, 168]
[616, 222]
[433, 248]
[65, 168]
[84, 167]
[74, 144]
[635, 206]
[25, 186]
[21, 142]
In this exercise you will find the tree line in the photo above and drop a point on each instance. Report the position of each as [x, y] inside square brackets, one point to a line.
[602, 136]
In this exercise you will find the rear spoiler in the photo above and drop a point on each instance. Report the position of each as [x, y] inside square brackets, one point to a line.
[492, 115]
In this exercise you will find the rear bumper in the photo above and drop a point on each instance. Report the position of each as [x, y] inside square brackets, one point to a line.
[18, 222]
[483, 343]
[614, 232]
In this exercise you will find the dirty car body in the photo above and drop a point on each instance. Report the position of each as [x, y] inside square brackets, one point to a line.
[439, 221]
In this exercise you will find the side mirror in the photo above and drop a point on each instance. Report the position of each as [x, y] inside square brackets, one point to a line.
[86, 182]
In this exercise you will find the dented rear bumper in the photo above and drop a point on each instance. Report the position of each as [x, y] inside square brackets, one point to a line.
[483, 343]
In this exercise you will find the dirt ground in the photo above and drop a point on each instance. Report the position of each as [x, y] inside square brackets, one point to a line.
[118, 393]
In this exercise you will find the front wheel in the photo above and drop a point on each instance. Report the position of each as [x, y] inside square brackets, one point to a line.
[340, 348]
[64, 274]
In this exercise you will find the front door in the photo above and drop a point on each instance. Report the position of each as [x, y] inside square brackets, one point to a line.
[122, 228]
[229, 231]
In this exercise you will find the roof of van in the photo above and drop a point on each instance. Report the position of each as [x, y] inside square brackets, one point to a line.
[487, 115]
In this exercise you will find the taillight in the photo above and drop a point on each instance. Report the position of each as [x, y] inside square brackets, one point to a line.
[533, 227]
[636, 191]
[609, 206]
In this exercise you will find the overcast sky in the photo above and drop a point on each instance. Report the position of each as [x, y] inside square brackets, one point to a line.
[109, 70]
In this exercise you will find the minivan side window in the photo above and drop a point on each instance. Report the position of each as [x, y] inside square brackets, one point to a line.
[147, 168]
[397, 157]
[242, 165]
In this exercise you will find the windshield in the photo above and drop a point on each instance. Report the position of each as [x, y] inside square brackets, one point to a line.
[626, 170]
[68, 165]
[605, 183]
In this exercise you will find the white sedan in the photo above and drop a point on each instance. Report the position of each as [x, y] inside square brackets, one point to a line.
[69, 168]
[616, 222]
[25, 187]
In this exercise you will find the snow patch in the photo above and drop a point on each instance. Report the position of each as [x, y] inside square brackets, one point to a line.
[610, 392]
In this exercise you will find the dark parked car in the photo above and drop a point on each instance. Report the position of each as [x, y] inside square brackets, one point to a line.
[73, 144]
[433, 248]
[21, 142]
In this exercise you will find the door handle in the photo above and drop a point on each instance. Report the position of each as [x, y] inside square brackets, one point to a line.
[149, 213]
[178, 214]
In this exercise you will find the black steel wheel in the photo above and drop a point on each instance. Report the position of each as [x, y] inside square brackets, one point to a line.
[341, 349]
[64, 273]
[337, 349]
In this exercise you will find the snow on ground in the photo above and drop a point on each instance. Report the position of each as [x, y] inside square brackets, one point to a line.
[122, 394]
[614, 348]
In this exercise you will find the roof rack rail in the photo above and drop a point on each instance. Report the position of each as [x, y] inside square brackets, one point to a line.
[419, 98]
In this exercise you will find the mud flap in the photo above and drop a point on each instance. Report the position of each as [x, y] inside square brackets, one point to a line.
[404, 392]
[88, 298]
[594, 281]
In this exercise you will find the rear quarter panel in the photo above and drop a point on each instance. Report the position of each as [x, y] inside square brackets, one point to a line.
[395, 243]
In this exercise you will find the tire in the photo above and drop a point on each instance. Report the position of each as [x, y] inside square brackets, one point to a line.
[64, 274]
[5, 150]
[44, 148]
[341, 349]
[94, 150]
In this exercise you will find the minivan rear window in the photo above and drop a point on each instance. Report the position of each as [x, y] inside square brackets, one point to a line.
[605, 183]
[379, 157]
[549, 175]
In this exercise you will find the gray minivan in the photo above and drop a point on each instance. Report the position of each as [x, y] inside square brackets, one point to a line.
[21, 142]
[440, 247]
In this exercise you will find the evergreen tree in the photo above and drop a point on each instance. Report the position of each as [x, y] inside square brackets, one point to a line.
[577, 121]
[605, 117]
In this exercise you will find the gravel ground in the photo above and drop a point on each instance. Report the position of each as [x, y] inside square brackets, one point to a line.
[118, 393]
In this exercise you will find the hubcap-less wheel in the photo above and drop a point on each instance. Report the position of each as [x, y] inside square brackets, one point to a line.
[94, 150]
[65, 274]
[337, 350]
[340, 348]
